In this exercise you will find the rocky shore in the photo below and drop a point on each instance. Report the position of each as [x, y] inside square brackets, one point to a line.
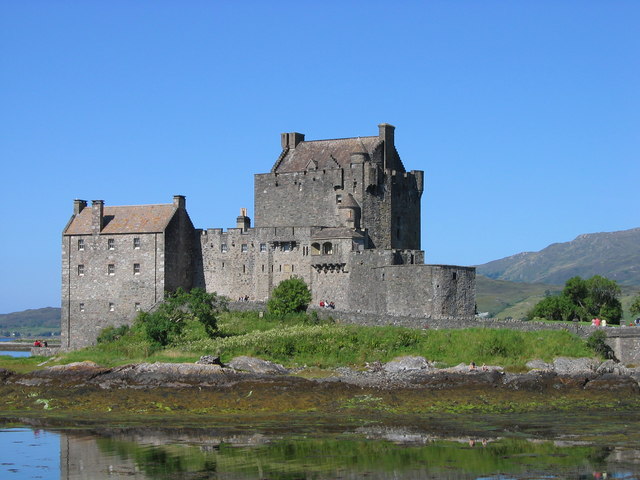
[564, 374]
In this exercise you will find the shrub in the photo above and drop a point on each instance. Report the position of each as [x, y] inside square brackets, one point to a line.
[165, 325]
[111, 334]
[596, 342]
[290, 296]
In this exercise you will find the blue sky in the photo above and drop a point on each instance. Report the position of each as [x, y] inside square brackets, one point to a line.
[524, 115]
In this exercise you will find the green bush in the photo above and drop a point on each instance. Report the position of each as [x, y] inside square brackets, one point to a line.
[111, 334]
[597, 343]
[165, 325]
[290, 296]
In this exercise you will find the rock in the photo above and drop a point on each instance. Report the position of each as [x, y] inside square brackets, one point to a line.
[610, 366]
[4, 374]
[257, 365]
[613, 382]
[407, 363]
[166, 375]
[574, 366]
[209, 360]
[539, 365]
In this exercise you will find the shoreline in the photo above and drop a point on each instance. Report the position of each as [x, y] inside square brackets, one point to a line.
[87, 390]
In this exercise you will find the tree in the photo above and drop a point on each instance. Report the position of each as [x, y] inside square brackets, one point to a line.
[558, 307]
[167, 322]
[290, 296]
[635, 306]
[582, 299]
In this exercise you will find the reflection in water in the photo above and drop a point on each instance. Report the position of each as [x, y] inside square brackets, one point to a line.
[373, 452]
[383, 454]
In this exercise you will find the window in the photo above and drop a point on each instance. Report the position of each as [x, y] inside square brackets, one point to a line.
[136, 269]
[112, 307]
[111, 244]
[263, 247]
[136, 306]
[81, 270]
[286, 246]
[136, 242]
[315, 249]
[223, 248]
[81, 244]
[327, 248]
[244, 248]
[111, 269]
[81, 307]
[338, 199]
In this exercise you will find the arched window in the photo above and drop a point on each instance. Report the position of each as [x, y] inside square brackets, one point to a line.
[315, 249]
[327, 248]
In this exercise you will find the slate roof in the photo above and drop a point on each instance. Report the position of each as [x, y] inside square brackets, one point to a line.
[324, 154]
[125, 219]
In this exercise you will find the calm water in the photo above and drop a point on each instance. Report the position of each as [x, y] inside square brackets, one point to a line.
[366, 452]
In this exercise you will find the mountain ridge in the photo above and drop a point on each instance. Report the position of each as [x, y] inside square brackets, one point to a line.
[615, 255]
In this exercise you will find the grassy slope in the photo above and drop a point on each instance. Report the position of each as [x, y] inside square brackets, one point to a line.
[296, 342]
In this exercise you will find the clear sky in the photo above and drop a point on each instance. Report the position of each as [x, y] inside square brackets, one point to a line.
[524, 115]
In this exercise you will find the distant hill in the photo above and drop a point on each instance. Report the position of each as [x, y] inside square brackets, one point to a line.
[615, 255]
[36, 321]
[502, 299]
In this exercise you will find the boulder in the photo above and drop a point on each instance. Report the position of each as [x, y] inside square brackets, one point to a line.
[257, 365]
[539, 365]
[407, 363]
[574, 366]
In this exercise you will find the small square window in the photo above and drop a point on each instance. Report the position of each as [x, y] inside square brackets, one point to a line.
[244, 248]
[111, 244]
[136, 306]
[223, 248]
[136, 269]
[136, 242]
[111, 269]
[338, 199]
[80, 270]
[81, 244]
[286, 246]
[81, 306]
[112, 307]
[263, 247]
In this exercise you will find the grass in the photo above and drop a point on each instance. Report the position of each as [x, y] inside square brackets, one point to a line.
[302, 340]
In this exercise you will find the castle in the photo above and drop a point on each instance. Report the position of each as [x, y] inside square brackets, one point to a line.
[342, 214]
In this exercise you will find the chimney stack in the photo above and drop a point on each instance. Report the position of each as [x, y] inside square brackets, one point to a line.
[78, 206]
[243, 221]
[97, 216]
[291, 140]
[386, 134]
[179, 201]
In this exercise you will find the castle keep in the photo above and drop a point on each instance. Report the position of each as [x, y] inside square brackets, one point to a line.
[342, 214]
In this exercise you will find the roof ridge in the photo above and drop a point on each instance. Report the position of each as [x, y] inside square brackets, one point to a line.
[334, 139]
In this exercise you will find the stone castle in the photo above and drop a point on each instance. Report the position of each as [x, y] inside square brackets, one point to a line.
[342, 214]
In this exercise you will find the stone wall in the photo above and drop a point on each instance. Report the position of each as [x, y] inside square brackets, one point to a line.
[100, 295]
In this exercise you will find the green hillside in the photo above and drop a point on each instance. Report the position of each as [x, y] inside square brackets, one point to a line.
[504, 299]
[615, 255]
[39, 321]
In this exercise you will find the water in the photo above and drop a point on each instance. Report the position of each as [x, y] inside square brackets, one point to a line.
[279, 452]
[16, 354]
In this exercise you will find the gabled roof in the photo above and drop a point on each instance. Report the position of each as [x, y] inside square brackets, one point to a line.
[124, 219]
[324, 154]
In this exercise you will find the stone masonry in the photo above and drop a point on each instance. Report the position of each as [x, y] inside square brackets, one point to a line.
[343, 214]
